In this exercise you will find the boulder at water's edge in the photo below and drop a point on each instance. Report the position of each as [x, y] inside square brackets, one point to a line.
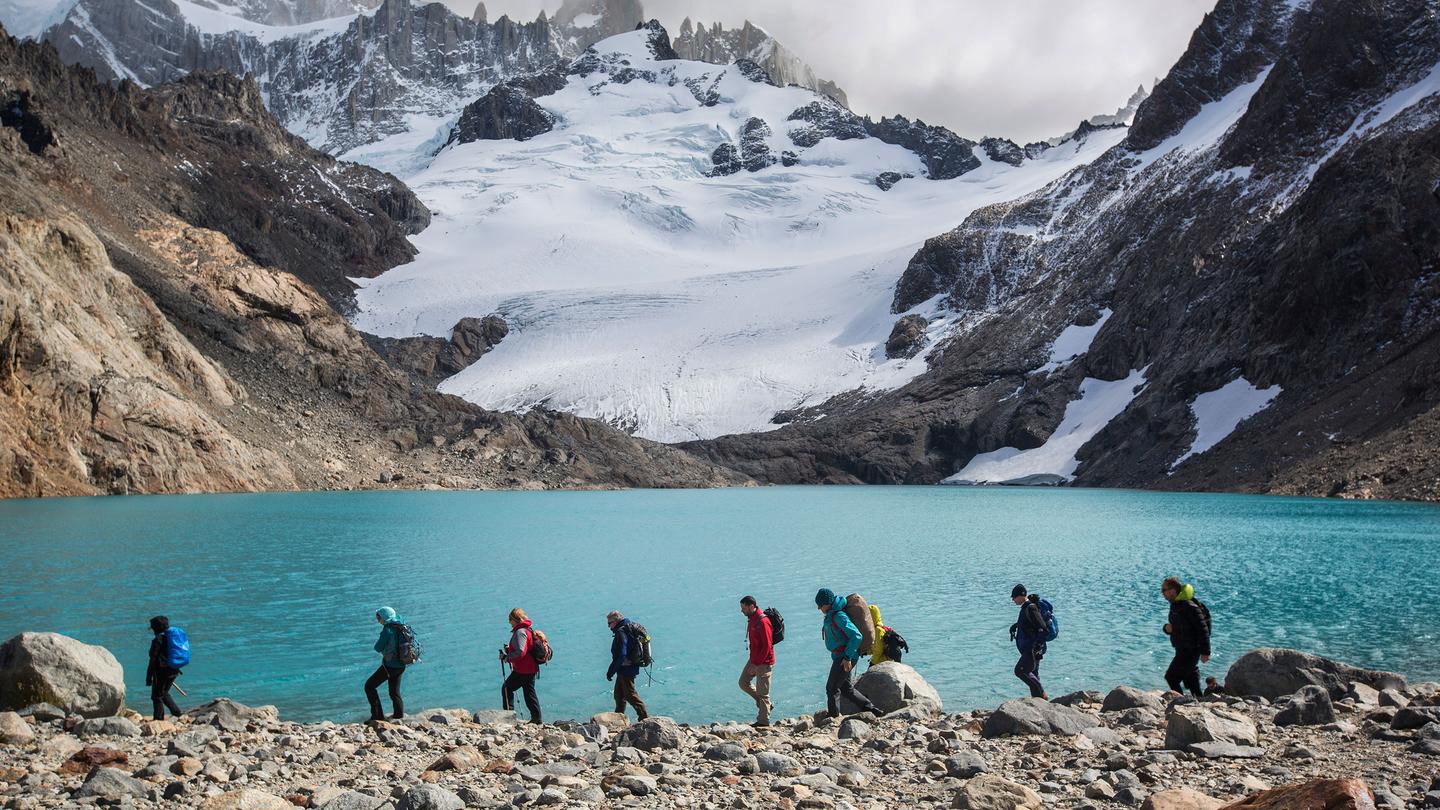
[51, 668]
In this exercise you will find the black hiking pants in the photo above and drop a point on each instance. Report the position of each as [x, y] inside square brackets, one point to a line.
[1184, 672]
[160, 692]
[839, 684]
[1027, 669]
[625, 692]
[372, 686]
[527, 683]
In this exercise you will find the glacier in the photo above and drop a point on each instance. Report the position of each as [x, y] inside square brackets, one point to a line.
[644, 292]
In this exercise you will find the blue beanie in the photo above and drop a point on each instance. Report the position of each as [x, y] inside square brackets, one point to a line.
[824, 596]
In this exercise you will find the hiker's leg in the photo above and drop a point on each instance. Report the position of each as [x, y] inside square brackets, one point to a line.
[157, 696]
[847, 688]
[1191, 674]
[832, 688]
[627, 692]
[619, 694]
[372, 693]
[532, 700]
[634, 697]
[746, 676]
[165, 681]
[1175, 673]
[1027, 669]
[395, 700]
[507, 691]
[762, 693]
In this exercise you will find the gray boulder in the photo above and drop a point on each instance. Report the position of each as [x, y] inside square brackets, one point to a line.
[1273, 672]
[50, 668]
[892, 686]
[107, 727]
[111, 785]
[430, 797]
[1186, 725]
[964, 764]
[43, 712]
[1036, 716]
[725, 752]
[14, 730]
[854, 729]
[1413, 716]
[227, 715]
[1311, 706]
[651, 734]
[774, 763]
[192, 743]
[353, 800]
[496, 717]
[1225, 750]
[1080, 698]
[1128, 697]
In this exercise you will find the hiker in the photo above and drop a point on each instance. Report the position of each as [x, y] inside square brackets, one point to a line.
[626, 658]
[1189, 632]
[524, 666]
[762, 659]
[391, 667]
[842, 639]
[1213, 687]
[165, 661]
[1028, 632]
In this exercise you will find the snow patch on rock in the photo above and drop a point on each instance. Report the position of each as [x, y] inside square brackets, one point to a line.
[1219, 412]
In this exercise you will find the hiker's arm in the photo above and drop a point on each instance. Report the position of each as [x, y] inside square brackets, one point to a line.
[852, 640]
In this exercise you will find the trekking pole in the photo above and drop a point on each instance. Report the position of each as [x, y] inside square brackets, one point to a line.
[182, 692]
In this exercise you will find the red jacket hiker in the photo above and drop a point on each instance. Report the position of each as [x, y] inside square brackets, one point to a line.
[517, 652]
[762, 648]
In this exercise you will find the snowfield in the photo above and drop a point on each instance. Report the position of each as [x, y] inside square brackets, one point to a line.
[645, 293]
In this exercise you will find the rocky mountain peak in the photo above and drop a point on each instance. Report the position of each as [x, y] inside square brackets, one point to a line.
[480, 14]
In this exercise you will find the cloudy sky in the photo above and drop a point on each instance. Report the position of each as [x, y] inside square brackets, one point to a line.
[1022, 69]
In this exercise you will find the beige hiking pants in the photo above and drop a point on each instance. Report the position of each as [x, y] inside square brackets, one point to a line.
[760, 674]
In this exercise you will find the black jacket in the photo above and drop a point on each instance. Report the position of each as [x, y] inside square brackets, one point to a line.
[1030, 628]
[1190, 626]
[157, 659]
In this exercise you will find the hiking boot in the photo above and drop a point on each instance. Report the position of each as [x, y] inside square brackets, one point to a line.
[761, 723]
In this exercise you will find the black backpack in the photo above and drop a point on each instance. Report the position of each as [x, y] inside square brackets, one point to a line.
[637, 652]
[895, 645]
[777, 625]
[407, 647]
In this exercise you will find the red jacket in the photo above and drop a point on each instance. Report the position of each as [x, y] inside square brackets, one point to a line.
[517, 652]
[762, 648]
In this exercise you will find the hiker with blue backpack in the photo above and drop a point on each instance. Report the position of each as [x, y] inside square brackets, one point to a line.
[169, 653]
[629, 653]
[398, 648]
[1030, 632]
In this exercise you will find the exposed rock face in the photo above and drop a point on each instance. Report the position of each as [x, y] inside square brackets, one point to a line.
[201, 359]
[56, 669]
[715, 44]
[908, 337]
[1331, 794]
[1220, 252]
[1186, 725]
[505, 112]
[1310, 706]
[434, 359]
[945, 154]
[1273, 673]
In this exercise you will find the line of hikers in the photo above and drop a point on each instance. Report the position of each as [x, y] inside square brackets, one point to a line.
[849, 627]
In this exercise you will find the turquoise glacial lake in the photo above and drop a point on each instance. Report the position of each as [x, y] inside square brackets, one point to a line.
[278, 591]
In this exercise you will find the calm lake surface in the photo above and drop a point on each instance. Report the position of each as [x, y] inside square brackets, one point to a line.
[278, 592]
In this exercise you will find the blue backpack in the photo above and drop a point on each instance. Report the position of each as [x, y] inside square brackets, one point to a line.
[177, 648]
[1052, 624]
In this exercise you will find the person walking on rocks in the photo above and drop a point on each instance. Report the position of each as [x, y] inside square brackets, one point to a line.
[391, 666]
[628, 653]
[1189, 631]
[160, 675]
[1028, 632]
[762, 659]
[842, 638]
[524, 667]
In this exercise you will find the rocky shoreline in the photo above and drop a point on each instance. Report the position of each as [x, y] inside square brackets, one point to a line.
[1343, 738]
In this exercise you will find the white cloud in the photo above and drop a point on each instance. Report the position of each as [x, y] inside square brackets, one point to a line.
[1022, 69]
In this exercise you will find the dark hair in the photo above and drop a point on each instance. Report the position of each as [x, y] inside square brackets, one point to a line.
[159, 624]
[1173, 583]
[1018, 590]
[748, 600]
[1034, 597]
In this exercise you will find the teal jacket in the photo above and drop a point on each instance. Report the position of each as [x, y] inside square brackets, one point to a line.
[387, 645]
[842, 637]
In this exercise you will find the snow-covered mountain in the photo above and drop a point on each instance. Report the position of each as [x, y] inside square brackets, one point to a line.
[683, 249]
[716, 44]
[342, 73]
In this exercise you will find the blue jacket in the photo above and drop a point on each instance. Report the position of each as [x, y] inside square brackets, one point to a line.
[619, 649]
[842, 637]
